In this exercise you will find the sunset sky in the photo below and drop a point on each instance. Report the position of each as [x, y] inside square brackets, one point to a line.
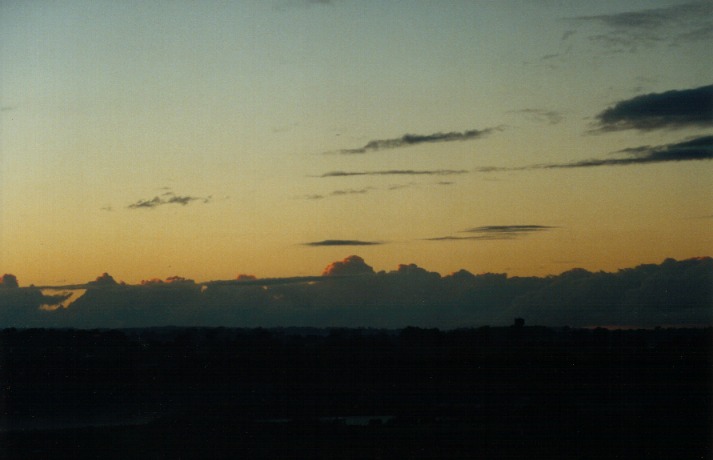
[209, 139]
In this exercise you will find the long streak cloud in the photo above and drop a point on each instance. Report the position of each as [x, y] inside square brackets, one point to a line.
[408, 140]
[696, 149]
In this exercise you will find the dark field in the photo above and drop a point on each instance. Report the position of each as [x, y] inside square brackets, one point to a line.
[515, 392]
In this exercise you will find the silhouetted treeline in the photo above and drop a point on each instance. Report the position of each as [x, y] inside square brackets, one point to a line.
[673, 293]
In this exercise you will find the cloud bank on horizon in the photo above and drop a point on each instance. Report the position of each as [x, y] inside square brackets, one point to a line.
[350, 293]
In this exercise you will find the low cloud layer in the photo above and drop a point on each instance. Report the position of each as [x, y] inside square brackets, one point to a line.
[630, 31]
[167, 198]
[668, 110]
[408, 140]
[695, 149]
[351, 294]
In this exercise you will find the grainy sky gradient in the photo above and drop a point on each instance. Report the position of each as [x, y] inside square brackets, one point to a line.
[208, 139]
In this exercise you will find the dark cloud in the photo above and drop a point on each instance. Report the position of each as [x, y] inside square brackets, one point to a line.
[699, 148]
[672, 26]
[167, 198]
[496, 232]
[396, 172]
[414, 139]
[671, 109]
[342, 243]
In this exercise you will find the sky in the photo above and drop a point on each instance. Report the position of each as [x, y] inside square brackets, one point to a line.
[212, 139]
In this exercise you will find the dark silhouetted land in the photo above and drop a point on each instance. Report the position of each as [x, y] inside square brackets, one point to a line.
[510, 392]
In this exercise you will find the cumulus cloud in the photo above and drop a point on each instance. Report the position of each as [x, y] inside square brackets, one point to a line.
[342, 243]
[496, 232]
[695, 149]
[352, 265]
[408, 140]
[672, 26]
[104, 279]
[671, 109]
[167, 198]
[8, 281]
[397, 172]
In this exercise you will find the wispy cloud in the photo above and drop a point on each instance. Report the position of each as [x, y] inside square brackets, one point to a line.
[696, 149]
[350, 191]
[343, 243]
[672, 26]
[408, 140]
[363, 191]
[671, 109]
[396, 172]
[167, 198]
[345, 192]
[495, 232]
[541, 115]
[289, 4]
